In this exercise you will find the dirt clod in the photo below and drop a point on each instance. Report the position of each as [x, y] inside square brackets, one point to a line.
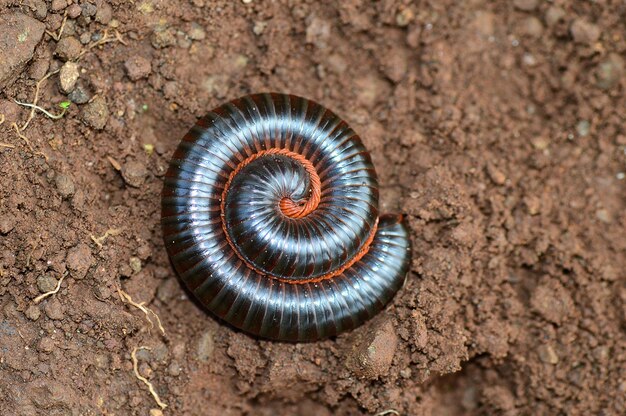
[19, 34]
[79, 260]
[552, 301]
[68, 48]
[134, 173]
[96, 113]
[137, 67]
[46, 344]
[7, 224]
[371, 356]
[33, 312]
[74, 11]
[80, 94]
[104, 14]
[54, 310]
[65, 185]
[46, 283]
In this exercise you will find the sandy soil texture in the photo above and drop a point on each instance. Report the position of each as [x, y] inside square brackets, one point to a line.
[498, 127]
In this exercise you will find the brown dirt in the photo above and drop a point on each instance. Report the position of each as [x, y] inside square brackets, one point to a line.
[497, 126]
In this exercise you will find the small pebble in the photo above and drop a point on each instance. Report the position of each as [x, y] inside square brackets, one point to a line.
[144, 251]
[601, 353]
[85, 38]
[205, 346]
[585, 32]
[40, 8]
[46, 283]
[65, 185]
[174, 369]
[58, 5]
[104, 13]
[318, 32]
[74, 11]
[405, 17]
[540, 143]
[170, 89]
[371, 356]
[33, 313]
[532, 27]
[547, 354]
[96, 113]
[554, 14]
[68, 76]
[137, 67]
[495, 174]
[162, 37]
[525, 5]
[134, 173]
[79, 260]
[183, 41]
[156, 412]
[582, 128]
[610, 71]
[46, 344]
[167, 290]
[135, 264]
[259, 28]
[604, 216]
[54, 310]
[68, 48]
[196, 32]
[89, 9]
[7, 224]
[80, 94]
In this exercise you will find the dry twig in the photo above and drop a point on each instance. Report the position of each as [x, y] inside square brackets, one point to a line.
[33, 105]
[52, 292]
[147, 311]
[153, 392]
[57, 37]
[106, 38]
[111, 232]
[27, 141]
[6, 145]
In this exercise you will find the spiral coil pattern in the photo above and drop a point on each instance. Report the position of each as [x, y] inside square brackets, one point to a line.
[270, 218]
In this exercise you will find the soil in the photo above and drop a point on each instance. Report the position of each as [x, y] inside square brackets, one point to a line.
[498, 127]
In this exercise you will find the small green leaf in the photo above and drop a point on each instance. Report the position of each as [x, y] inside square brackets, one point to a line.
[64, 104]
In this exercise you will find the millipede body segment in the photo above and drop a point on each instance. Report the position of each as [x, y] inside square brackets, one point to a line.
[270, 217]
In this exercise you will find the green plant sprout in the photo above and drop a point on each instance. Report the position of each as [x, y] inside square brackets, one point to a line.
[64, 105]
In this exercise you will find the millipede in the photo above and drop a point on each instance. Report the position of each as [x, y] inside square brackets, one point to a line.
[270, 218]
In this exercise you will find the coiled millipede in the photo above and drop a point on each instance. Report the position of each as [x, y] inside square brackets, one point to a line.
[270, 218]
